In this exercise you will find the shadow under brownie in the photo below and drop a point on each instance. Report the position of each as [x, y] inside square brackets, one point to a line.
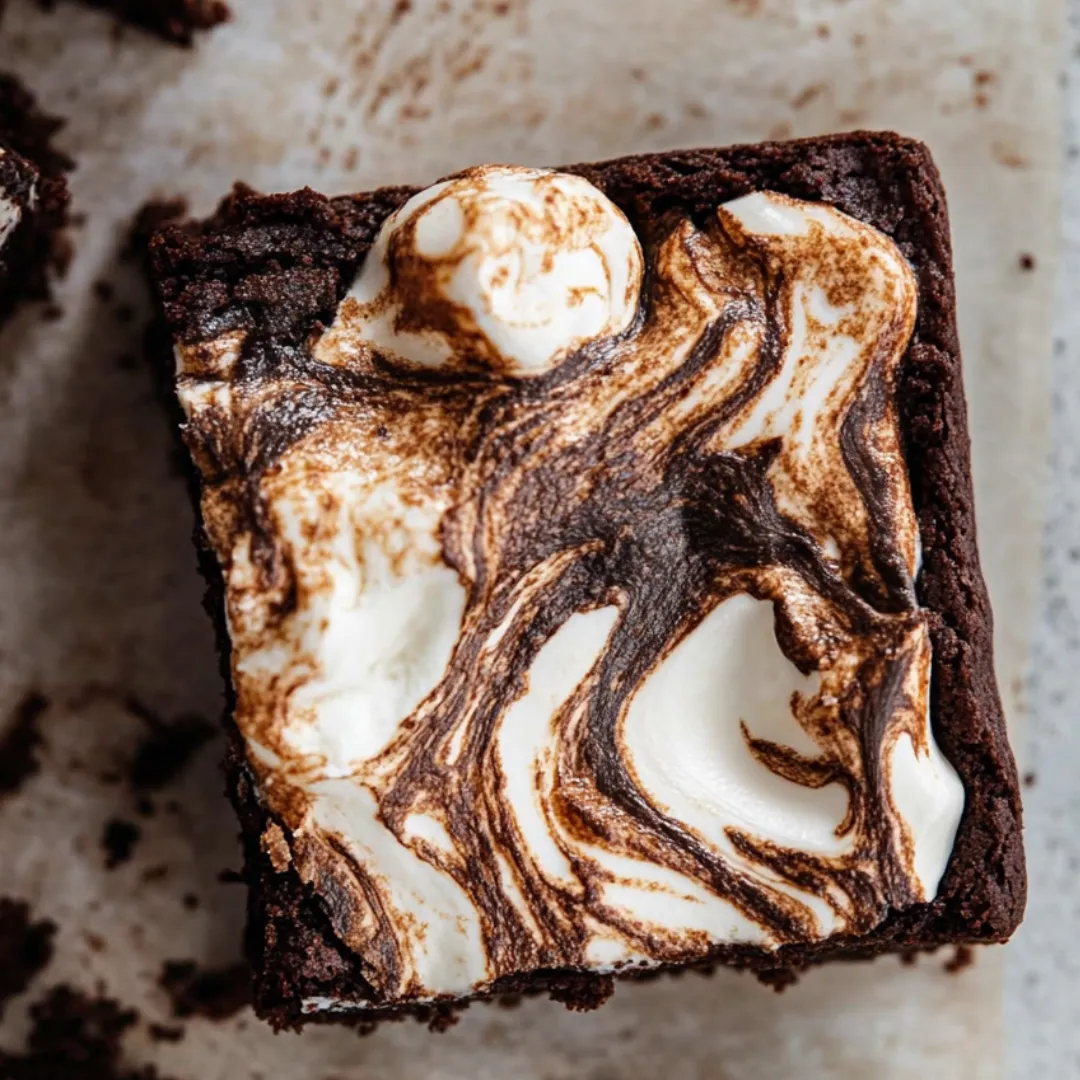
[274, 271]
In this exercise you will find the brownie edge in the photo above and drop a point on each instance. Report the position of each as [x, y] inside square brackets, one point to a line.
[32, 174]
[287, 260]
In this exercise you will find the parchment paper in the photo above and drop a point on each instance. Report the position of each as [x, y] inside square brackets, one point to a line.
[99, 598]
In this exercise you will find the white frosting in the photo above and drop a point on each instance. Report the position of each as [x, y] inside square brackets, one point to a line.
[379, 613]
[541, 262]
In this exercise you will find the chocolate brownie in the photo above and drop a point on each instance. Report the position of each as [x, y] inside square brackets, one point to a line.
[594, 568]
[33, 198]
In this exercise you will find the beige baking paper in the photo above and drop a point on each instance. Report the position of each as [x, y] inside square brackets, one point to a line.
[99, 597]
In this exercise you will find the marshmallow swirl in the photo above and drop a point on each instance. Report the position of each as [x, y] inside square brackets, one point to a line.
[503, 268]
[571, 589]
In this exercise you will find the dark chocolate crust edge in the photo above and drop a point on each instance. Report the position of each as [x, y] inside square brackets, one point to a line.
[283, 262]
[37, 247]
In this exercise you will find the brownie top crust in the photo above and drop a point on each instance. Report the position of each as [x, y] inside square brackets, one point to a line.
[570, 561]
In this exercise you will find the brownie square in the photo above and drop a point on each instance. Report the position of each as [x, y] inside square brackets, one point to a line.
[33, 198]
[257, 296]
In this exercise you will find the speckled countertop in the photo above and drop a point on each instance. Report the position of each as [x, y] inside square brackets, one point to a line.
[100, 601]
[1043, 969]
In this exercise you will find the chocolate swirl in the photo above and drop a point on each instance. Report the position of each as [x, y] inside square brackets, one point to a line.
[599, 660]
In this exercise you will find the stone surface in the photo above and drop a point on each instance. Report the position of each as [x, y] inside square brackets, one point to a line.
[99, 599]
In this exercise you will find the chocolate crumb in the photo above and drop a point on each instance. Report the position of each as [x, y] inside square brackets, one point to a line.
[155, 873]
[75, 1037]
[25, 948]
[167, 749]
[190, 901]
[94, 942]
[213, 993]
[442, 1019]
[1029, 779]
[1027, 261]
[153, 216]
[232, 877]
[20, 742]
[276, 847]
[807, 95]
[104, 291]
[962, 958]
[164, 1033]
[779, 980]
[119, 840]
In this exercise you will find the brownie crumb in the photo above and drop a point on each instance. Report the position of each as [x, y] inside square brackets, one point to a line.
[20, 743]
[213, 993]
[167, 750]
[962, 958]
[25, 948]
[276, 847]
[779, 980]
[190, 901]
[581, 994]
[164, 1033]
[1029, 779]
[119, 840]
[94, 942]
[909, 957]
[1027, 261]
[75, 1037]
[443, 1019]
[153, 216]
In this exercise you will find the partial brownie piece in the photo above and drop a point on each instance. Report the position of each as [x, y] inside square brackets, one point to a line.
[33, 198]
[593, 562]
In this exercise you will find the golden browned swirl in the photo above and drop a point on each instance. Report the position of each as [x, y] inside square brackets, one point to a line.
[734, 450]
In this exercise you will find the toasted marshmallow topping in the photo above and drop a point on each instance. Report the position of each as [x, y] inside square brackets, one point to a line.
[502, 267]
[607, 665]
